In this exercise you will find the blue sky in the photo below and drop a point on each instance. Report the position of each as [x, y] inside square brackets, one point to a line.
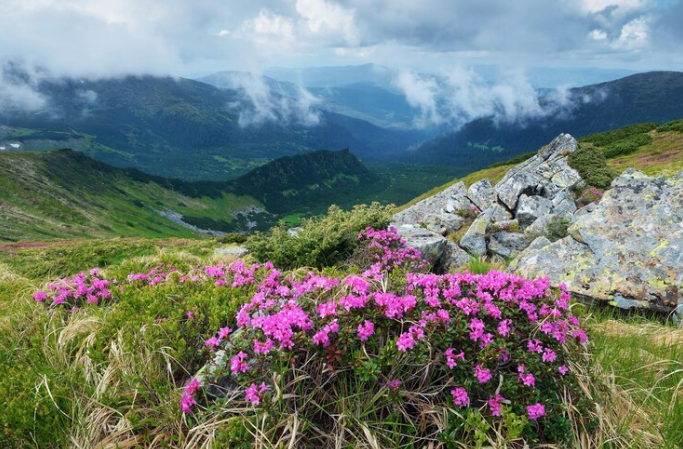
[92, 38]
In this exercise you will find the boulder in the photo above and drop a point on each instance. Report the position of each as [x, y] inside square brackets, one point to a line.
[430, 245]
[563, 202]
[453, 257]
[545, 174]
[231, 251]
[508, 244]
[443, 223]
[587, 209]
[498, 213]
[628, 250]
[474, 240]
[434, 205]
[481, 194]
[550, 225]
[529, 208]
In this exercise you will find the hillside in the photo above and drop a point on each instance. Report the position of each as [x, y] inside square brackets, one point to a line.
[181, 128]
[644, 97]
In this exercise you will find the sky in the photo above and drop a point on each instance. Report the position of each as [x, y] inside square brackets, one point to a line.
[194, 37]
[191, 38]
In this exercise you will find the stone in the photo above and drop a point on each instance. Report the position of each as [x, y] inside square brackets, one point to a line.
[453, 257]
[231, 251]
[497, 213]
[474, 240]
[443, 223]
[481, 194]
[587, 209]
[529, 208]
[436, 204]
[563, 202]
[508, 244]
[628, 251]
[294, 232]
[430, 245]
[545, 174]
[543, 226]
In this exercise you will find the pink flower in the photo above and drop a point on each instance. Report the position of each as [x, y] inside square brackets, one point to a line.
[237, 364]
[563, 370]
[535, 411]
[494, 404]
[189, 314]
[212, 342]
[224, 332]
[581, 335]
[483, 375]
[254, 393]
[365, 330]
[504, 327]
[405, 341]
[39, 296]
[394, 384]
[193, 386]
[186, 403]
[548, 355]
[263, 348]
[460, 397]
[327, 309]
[451, 358]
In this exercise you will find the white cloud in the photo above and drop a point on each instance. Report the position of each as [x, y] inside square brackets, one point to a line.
[328, 19]
[598, 35]
[634, 35]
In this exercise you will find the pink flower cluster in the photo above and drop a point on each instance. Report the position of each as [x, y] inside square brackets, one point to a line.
[81, 289]
[187, 400]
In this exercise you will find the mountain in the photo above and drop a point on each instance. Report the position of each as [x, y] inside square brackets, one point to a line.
[335, 76]
[56, 194]
[182, 128]
[645, 97]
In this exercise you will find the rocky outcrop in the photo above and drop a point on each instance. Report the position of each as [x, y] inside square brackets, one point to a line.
[628, 250]
[540, 186]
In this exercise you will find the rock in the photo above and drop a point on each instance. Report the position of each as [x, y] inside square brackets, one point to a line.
[453, 257]
[545, 174]
[497, 213]
[436, 204]
[563, 202]
[474, 240]
[587, 209]
[539, 242]
[529, 208]
[481, 194]
[443, 223]
[628, 250]
[508, 244]
[430, 245]
[550, 225]
[233, 251]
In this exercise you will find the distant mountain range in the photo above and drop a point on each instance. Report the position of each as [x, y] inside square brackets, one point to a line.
[645, 97]
[231, 122]
[188, 129]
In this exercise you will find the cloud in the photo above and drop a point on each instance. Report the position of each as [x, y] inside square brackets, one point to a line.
[461, 95]
[634, 35]
[259, 104]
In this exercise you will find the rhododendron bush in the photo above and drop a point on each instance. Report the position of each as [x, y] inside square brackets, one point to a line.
[438, 356]
[383, 353]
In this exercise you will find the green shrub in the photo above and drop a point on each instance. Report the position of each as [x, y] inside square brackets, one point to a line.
[233, 237]
[591, 164]
[675, 126]
[611, 137]
[557, 228]
[322, 241]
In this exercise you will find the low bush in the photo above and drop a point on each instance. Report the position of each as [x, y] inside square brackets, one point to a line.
[321, 241]
[557, 228]
[391, 357]
[591, 164]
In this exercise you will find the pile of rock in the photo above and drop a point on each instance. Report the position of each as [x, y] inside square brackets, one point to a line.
[509, 216]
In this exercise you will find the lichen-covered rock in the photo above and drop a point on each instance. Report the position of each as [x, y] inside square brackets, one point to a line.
[587, 209]
[231, 251]
[563, 202]
[545, 174]
[498, 213]
[453, 257]
[474, 240]
[529, 208]
[430, 245]
[434, 205]
[443, 223]
[508, 244]
[550, 225]
[481, 194]
[628, 250]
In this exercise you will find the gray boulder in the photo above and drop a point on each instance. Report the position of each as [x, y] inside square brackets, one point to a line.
[231, 251]
[545, 174]
[563, 202]
[481, 194]
[453, 257]
[587, 209]
[434, 205]
[628, 250]
[430, 245]
[550, 225]
[474, 240]
[508, 244]
[498, 213]
[443, 223]
[529, 208]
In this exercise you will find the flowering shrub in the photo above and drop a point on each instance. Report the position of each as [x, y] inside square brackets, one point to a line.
[74, 292]
[482, 352]
[590, 195]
